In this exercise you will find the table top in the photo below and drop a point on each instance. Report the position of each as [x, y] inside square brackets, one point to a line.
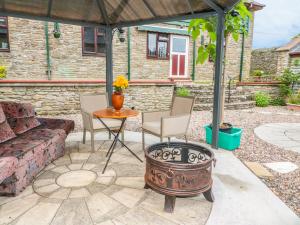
[113, 114]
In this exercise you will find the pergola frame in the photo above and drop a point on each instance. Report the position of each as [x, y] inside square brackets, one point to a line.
[216, 10]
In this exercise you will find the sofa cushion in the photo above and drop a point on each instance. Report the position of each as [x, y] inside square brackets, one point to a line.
[21, 125]
[8, 166]
[33, 139]
[6, 133]
[2, 115]
[53, 124]
[17, 110]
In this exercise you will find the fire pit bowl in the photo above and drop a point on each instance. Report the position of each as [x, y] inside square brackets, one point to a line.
[177, 169]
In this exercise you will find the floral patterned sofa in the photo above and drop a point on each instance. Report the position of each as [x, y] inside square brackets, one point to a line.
[27, 144]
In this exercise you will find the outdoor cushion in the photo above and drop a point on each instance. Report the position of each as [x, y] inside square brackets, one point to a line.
[17, 110]
[153, 127]
[109, 122]
[6, 133]
[21, 125]
[8, 166]
[66, 125]
[28, 141]
[2, 115]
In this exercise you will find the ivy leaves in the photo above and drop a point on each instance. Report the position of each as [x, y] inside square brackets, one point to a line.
[235, 25]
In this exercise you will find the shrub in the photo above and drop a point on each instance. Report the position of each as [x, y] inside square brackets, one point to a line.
[288, 80]
[183, 92]
[294, 99]
[261, 99]
[2, 72]
[277, 101]
[258, 73]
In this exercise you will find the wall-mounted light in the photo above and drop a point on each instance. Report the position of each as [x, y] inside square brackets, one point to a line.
[121, 34]
[56, 31]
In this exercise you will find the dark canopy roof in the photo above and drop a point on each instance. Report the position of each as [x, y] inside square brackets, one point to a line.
[115, 13]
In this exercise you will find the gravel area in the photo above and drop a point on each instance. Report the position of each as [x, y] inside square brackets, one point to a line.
[285, 186]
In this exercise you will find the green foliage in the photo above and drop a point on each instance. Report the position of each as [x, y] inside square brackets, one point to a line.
[257, 73]
[297, 62]
[3, 72]
[277, 101]
[234, 26]
[183, 92]
[288, 80]
[294, 99]
[261, 99]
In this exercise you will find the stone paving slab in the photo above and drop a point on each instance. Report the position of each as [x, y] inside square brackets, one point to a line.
[73, 191]
[283, 135]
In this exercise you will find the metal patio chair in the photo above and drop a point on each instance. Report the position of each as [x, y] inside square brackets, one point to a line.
[169, 123]
[90, 104]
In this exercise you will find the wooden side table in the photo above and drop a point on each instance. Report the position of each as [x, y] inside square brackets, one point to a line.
[123, 114]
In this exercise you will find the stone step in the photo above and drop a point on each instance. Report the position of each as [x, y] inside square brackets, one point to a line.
[211, 92]
[229, 106]
[233, 98]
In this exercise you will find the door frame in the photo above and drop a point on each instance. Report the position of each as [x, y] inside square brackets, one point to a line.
[187, 38]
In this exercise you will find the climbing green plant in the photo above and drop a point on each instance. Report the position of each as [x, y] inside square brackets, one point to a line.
[235, 24]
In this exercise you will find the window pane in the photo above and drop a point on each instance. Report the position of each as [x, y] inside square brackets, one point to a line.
[89, 39]
[163, 37]
[100, 44]
[162, 49]
[3, 21]
[179, 44]
[151, 44]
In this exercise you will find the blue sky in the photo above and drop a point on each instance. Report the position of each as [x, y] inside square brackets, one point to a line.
[277, 23]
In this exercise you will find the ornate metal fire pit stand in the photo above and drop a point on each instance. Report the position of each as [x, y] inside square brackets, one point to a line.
[178, 169]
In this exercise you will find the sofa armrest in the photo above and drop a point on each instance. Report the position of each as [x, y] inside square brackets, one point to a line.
[8, 167]
[154, 116]
[53, 124]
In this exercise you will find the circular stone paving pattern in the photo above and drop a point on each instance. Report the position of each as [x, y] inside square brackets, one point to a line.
[75, 182]
[78, 178]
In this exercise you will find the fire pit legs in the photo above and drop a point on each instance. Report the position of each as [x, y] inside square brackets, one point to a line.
[209, 196]
[169, 203]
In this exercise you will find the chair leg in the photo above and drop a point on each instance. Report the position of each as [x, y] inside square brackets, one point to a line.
[122, 137]
[84, 135]
[186, 138]
[169, 139]
[109, 135]
[92, 142]
[143, 140]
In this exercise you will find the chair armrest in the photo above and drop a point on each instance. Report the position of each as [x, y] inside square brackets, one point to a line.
[154, 116]
[87, 120]
[8, 166]
[175, 125]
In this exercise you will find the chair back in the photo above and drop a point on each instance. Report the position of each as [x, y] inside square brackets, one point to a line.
[92, 103]
[182, 105]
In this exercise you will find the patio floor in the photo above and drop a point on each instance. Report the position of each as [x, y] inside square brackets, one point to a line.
[118, 197]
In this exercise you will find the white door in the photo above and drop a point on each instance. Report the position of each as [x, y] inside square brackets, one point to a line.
[179, 56]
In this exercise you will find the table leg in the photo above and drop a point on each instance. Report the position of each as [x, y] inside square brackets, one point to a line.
[118, 140]
[113, 146]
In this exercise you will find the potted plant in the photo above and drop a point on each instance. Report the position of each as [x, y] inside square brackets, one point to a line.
[3, 72]
[257, 75]
[120, 84]
[183, 92]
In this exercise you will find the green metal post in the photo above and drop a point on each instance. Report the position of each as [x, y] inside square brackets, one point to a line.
[242, 57]
[129, 53]
[48, 51]
[194, 60]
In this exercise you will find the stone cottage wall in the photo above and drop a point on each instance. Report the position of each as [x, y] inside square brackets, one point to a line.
[264, 59]
[56, 99]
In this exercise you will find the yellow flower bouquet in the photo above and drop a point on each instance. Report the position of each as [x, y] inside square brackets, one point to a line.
[120, 83]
